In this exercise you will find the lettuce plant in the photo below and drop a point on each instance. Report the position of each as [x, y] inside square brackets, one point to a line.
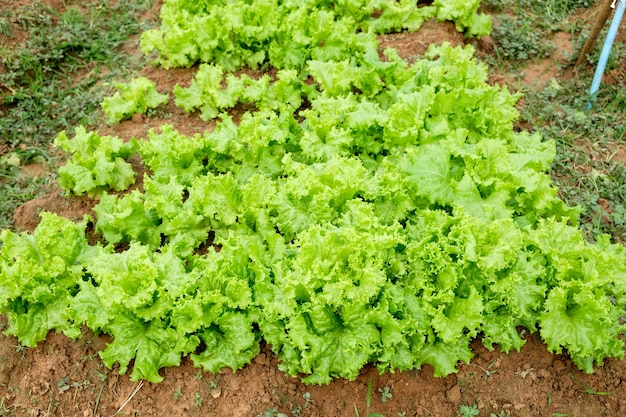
[390, 218]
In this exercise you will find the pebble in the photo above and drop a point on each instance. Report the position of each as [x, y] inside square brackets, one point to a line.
[543, 373]
[453, 395]
[234, 384]
[558, 365]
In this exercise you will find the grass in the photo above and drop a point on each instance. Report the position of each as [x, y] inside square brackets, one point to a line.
[17, 187]
[522, 28]
[55, 81]
[589, 168]
[368, 402]
[5, 410]
[517, 40]
[5, 24]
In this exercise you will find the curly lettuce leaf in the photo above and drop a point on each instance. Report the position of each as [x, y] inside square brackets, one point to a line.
[96, 164]
[230, 343]
[39, 274]
[151, 346]
[135, 97]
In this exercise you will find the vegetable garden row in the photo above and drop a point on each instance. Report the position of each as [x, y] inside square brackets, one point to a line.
[366, 210]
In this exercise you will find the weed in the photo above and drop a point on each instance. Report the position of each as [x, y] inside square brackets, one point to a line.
[16, 186]
[549, 11]
[500, 414]
[272, 412]
[522, 28]
[197, 399]
[615, 56]
[198, 376]
[368, 401]
[557, 10]
[5, 410]
[468, 411]
[214, 388]
[588, 173]
[103, 377]
[178, 393]
[5, 25]
[64, 385]
[594, 392]
[54, 81]
[297, 409]
[486, 372]
[51, 77]
[385, 394]
[516, 40]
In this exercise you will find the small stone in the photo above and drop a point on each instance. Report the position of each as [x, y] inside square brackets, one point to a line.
[260, 359]
[543, 373]
[566, 383]
[558, 365]
[215, 392]
[242, 410]
[453, 395]
[234, 384]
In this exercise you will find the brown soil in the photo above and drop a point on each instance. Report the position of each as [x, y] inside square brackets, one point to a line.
[65, 378]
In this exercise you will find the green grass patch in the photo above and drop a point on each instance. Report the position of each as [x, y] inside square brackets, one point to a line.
[589, 167]
[56, 80]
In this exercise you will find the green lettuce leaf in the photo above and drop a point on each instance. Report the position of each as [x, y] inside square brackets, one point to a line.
[39, 276]
[151, 345]
[97, 163]
[135, 97]
[230, 343]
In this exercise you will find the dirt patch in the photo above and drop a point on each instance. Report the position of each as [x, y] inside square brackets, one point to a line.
[27, 216]
[539, 74]
[61, 377]
[620, 154]
[17, 34]
[412, 45]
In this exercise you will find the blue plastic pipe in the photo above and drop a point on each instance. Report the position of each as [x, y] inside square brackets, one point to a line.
[606, 50]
